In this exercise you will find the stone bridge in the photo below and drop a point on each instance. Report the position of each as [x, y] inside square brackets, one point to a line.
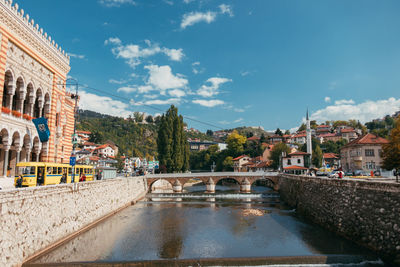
[244, 179]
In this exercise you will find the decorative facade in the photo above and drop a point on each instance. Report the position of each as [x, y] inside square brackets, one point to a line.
[33, 71]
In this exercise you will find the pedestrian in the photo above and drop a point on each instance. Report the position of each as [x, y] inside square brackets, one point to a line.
[18, 182]
[63, 178]
[82, 178]
[340, 174]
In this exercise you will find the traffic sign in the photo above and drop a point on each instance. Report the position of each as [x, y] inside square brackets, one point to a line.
[72, 161]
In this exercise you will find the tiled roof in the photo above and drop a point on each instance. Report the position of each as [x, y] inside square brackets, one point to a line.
[299, 135]
[368, 139]
[263, 164]
[295, 168]
[102, 146]
[253, 138]
[350, 130]
[83, 132]
[89, 144]
[242, 156]
[330, 156]
[323, 126]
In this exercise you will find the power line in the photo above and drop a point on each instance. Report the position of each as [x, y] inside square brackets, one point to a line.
[149, 106]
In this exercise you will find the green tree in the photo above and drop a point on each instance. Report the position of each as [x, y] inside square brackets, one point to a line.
[149, 119]
[276, 154]
[120, 162]
[287, 132]
[228, 164]
[317, 157]
[95, 137]
[235, 143]
[209, 133]
[391, 150]
[302, 127]
[172, 143]
[278, 132]
[138, 116]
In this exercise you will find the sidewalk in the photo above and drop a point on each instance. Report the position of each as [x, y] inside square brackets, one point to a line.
[6, 183]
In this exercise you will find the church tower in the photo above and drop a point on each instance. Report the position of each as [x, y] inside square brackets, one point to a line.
[308, 131]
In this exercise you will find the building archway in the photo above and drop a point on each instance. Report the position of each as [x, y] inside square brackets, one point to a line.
[38, 104]
[18, 97]
[29, 100]
[4, 148]
[14, 153]
[7, 88]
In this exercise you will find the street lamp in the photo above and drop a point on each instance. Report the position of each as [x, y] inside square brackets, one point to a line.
[75, 118]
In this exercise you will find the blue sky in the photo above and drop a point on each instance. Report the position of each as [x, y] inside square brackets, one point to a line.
[231, 63]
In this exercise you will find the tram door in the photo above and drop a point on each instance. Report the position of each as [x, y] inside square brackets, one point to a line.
[40, 175]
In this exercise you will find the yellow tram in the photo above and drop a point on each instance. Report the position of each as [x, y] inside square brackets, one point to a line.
[46, 173]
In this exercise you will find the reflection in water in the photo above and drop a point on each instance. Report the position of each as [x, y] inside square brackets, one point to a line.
[221, 225]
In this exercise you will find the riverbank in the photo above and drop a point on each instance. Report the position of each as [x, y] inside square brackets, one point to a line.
[36, 219]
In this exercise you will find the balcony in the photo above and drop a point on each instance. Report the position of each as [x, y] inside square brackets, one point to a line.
[357, 158]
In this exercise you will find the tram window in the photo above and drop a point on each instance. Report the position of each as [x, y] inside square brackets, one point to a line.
[86, 171]
[49, 170]
[28, 170]
[69, 170]
[54, 170]
[59, 170]
[65, 170]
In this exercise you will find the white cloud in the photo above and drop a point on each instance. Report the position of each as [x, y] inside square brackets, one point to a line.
[113, 40]
[76, 56]
[103, 104]
[192, 18]
[238, 120]
[187, 1]
[127, 89]
[189, 19]
[163, 102]
[169, 2]
[162, 78]
[116, 81]
[363, 112]
[208, 103]
[226, 9]
[133, 53]
[327, 99]
[195, 68]
[344, 102]
[176, 93]
[238, 109]
[116, 3]
[174, 54]
[211, 90]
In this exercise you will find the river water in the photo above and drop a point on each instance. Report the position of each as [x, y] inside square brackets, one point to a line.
[195, 225]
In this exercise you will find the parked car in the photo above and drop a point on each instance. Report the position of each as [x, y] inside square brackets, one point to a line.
[321, 173]
[348, 174]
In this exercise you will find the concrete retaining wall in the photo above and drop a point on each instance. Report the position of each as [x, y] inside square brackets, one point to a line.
[363, 211]
[32, 219]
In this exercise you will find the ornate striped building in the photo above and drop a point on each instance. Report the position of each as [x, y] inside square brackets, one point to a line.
[33, 71]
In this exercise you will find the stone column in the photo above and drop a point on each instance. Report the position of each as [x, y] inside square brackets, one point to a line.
[40, 108]
[210, 186]
[245, 186]
[28, 154]
[20, 102]
[31, 104]
[9, 94]
[177, 186]
[6, 155]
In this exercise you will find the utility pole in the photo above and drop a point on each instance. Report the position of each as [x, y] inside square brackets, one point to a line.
[74, 135]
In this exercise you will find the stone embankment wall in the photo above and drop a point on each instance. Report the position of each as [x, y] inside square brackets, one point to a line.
[366, 212]
[32, 219]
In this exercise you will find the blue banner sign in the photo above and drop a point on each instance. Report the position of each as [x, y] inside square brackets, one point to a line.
[42, 128]
[72, 161]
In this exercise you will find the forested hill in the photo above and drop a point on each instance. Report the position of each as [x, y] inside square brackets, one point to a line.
[133, 139]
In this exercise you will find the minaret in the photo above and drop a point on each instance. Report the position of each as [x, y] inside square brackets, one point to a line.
[308, 131]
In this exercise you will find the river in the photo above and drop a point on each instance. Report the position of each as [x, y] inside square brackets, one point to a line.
[227, 226]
